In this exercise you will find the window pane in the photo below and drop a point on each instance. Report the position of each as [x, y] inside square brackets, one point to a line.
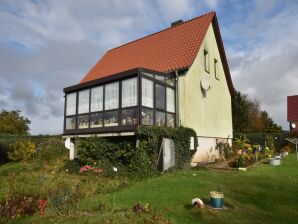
[170, 100]
[112, 96]
[160, 118]
[160, 97]
[160, 78]
[129, 92]
[71, 103]
[97, 99]
[147, 93]
[148, 74]
[147, 116]
[83, 121]
[111, 118]
[96, 120]
[84, 101]
[170, 120]
[170, 81]
[129, 117]
[70, 123]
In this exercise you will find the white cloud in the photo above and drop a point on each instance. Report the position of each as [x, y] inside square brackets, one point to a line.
[267, 68]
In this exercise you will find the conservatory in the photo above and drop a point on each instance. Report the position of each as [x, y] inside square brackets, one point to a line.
[121, 102]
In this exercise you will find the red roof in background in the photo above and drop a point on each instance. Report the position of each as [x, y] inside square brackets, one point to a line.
[293, 108]
[170, 49]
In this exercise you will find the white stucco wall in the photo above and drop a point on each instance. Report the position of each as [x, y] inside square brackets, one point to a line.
[209, 114]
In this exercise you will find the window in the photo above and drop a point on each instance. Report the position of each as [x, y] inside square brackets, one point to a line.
[170, 81]
[83, 101]
[216, 69]
[170, 120]
[111, 118]
[97, 99]
[206, 61]
[112, 96]
[160, 118]
[129, 92]
[147, 116]
[96, 120]
[170, 100]
[83, 121]
[148, 74]
[70, 123]
[160, 78]
[129, 117]
[160, 97]
[147, 93]
[71, 103]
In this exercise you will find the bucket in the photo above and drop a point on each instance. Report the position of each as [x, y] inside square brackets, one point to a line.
[216, 199]
[217, 202]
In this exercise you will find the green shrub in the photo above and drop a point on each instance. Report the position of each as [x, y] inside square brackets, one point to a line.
[72, 166]
[50, 148]
[21, 151]
[140, 160]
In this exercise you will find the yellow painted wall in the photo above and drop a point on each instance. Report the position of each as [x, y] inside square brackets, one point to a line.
[209, 115]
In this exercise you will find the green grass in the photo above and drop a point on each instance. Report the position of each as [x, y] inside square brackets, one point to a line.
[263, 194]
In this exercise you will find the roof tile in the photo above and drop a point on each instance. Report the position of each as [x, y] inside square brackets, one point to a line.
[164, 51]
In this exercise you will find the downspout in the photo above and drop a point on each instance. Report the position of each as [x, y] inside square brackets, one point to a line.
[177, 99]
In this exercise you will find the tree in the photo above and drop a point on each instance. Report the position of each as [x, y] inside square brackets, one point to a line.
[240, 112]
[11, 122]
[248, 117]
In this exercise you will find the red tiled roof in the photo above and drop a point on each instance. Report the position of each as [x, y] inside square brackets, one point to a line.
[293, 108]
[170, 49]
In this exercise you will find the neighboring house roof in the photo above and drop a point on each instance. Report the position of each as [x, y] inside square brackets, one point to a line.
[293, 108]
[174, 48]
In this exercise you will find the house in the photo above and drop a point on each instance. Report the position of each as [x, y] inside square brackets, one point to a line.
[293, 112]
[176, 77]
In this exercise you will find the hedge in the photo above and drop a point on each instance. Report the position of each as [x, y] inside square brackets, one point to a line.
[137, 160]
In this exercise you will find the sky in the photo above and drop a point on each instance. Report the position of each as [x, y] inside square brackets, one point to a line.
[51, 44]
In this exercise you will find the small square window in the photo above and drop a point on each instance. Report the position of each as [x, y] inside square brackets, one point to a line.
[83, 121]
[147, 116]
[96, 120]
[129, 117]
[111, 118]
[206, 61]
[170, 120]
[160, 118]
[70, 123]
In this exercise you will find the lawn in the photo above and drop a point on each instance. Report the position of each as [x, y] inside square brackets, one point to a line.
[263, 194]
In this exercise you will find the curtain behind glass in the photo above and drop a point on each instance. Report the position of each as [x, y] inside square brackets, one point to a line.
[84, 101]
[147, 93]
[71, 104]
[112, 96]
[170, 100]
[97, 99]
[129, 92]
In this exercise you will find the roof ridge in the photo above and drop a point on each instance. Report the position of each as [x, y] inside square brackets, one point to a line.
[212, 12]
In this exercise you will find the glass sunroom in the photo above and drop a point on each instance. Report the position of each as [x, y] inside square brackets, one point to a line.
[120, 102]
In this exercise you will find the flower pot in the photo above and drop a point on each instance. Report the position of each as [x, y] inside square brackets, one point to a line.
[216, 199]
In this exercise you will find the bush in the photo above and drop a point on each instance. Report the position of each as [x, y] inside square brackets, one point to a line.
[140, 160]
[18, 206]
[50, 148]
[21, 151]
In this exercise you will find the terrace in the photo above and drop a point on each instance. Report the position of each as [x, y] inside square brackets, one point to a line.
[117, 104]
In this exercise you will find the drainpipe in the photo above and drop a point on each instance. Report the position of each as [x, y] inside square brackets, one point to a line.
[177, 99]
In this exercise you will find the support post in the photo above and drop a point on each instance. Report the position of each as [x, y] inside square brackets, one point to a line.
[72, 149]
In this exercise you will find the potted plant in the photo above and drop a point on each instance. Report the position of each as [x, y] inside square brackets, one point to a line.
[216, 199]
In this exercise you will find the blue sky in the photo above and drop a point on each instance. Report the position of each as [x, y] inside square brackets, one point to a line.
[48, 45]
